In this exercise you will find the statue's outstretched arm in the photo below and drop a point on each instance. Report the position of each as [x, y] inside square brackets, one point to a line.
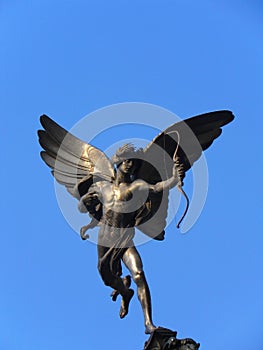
[167, 184]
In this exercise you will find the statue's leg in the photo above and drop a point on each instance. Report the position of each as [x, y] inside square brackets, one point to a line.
[113, 280]
[133, 262]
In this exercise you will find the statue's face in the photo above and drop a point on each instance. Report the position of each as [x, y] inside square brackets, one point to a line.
[127, 166]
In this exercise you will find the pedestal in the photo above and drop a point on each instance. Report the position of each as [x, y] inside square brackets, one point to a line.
[165, 339]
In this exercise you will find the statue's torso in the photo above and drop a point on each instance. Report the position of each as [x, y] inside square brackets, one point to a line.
[121, 202]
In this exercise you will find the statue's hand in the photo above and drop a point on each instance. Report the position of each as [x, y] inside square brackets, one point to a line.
[178, 170]
[175, 172]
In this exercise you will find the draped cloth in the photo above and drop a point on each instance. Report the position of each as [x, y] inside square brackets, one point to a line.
[112, 244]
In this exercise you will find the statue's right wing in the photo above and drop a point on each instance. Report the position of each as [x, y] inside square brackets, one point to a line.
[74, 163]
[187, 139]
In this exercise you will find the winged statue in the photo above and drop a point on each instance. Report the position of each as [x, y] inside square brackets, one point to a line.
[129, 191]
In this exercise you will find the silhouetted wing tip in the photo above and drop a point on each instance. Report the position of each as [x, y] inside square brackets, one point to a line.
[44, 119]
[226, 116]
[222, 116]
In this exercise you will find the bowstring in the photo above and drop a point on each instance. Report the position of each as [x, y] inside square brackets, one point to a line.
[179, 166]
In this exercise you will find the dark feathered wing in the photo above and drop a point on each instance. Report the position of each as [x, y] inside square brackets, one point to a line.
[192, 136]
[74, 163]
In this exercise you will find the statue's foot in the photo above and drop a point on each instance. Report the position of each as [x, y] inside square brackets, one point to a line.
[125, 303]
[149, 328]
[127, 283]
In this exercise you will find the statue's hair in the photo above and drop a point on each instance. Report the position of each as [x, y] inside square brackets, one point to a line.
[127, 151]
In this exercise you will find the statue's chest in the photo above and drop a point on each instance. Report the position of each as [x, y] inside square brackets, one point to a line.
[117, 197]
[121, 193]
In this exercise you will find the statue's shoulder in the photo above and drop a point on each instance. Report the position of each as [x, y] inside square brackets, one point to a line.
[139, 184]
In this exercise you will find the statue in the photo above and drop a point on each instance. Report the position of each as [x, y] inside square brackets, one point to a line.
[130, 190]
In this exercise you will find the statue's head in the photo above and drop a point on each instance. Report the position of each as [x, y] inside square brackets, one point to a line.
[128, 157]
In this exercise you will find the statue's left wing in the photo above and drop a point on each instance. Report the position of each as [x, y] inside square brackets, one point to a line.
[183, 143]
[74, 163]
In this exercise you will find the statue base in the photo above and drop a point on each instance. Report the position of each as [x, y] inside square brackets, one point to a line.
[165, 339]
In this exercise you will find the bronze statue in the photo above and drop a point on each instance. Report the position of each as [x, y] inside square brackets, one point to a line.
[129, 191]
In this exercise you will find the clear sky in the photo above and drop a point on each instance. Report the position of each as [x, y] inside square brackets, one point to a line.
[67, 59]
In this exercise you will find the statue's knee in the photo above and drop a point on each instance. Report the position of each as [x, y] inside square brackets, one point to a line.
[138, 276]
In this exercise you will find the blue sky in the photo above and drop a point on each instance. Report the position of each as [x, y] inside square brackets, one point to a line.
[67, 59]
